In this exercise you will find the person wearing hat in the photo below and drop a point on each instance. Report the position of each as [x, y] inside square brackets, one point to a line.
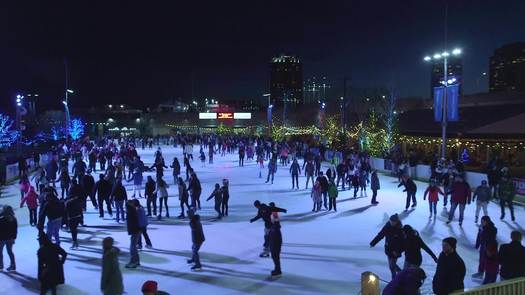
[111, 280]
[151, 288]
[450, 271]
[484, 196]
[407, 282]
[394, 240]
[507, 191]
[460, 197]
[264, 211]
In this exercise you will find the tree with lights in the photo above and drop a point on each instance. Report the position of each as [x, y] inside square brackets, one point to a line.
[76, 128]
[390, 118]
[7, 135]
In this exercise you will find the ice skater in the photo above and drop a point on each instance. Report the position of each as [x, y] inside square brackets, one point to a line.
[217, 196]
[295, 170]
[197, 239]
[275, 241]
[410, 189]
[433, 191]
[225, 189]
[393, 234]
[264, 212]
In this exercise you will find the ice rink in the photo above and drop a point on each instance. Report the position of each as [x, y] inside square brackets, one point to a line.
[323, 252]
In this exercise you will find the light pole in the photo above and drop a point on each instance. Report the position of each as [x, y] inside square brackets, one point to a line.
[437, 57]
[269, 112]
[19, 106]
[66, 107]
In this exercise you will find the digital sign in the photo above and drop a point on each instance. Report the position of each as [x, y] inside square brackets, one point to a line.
[225, 115]
[204, 116]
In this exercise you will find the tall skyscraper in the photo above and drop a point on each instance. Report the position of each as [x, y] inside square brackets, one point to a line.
[455, 70]
[507, 68]
[286, 81]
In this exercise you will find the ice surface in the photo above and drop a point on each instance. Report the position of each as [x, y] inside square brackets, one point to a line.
[323, 253]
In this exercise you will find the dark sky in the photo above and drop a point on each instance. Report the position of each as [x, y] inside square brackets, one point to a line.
[144, 53]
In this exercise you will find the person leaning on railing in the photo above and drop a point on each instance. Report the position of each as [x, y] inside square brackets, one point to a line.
[512, 258]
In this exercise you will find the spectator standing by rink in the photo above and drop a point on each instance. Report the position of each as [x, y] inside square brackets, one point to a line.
[460, 197]
[512, 257]
[484, 196]
[51, 259]
[450, 271]
[394, 241]
[111, 281]
[197, 239]
[31, 198]
[8, 233]
[507, 191]
[374, 186]
[410, 189]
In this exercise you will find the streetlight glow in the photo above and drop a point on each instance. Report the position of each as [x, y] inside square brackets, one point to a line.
[456, 51]
[437, 56]
[64, 102]
[427, 58]
[445, 53]
[70, 91]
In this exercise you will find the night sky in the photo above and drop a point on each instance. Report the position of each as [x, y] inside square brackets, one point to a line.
[145, 53]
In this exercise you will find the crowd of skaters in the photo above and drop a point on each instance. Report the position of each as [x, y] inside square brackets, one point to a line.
[115, 157]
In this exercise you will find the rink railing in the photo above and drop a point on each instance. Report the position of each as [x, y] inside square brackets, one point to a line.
[509, 287]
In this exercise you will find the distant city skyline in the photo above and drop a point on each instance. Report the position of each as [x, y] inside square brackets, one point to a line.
[142, 55]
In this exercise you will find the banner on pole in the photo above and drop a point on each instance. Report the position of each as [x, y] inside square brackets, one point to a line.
[453, 103]
[438, 103]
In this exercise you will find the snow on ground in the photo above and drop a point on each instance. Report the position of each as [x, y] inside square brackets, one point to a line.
[323, 253]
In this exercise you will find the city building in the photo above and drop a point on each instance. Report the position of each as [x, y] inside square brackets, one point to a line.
[455, 71]
[507, 68]
[286, 81]
[316, 89]
[173, 106]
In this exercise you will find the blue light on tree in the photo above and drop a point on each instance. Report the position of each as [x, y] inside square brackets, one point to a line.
[76, 128]
[7, 135]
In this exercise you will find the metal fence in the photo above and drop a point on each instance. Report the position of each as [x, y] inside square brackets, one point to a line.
[509, 287]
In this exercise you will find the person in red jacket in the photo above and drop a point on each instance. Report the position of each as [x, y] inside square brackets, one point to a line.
[461, 195]
[433, 192]
[31, 198]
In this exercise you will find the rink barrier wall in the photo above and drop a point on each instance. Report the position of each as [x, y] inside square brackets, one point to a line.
[508, 287]
[422, 173]
[11, 170]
